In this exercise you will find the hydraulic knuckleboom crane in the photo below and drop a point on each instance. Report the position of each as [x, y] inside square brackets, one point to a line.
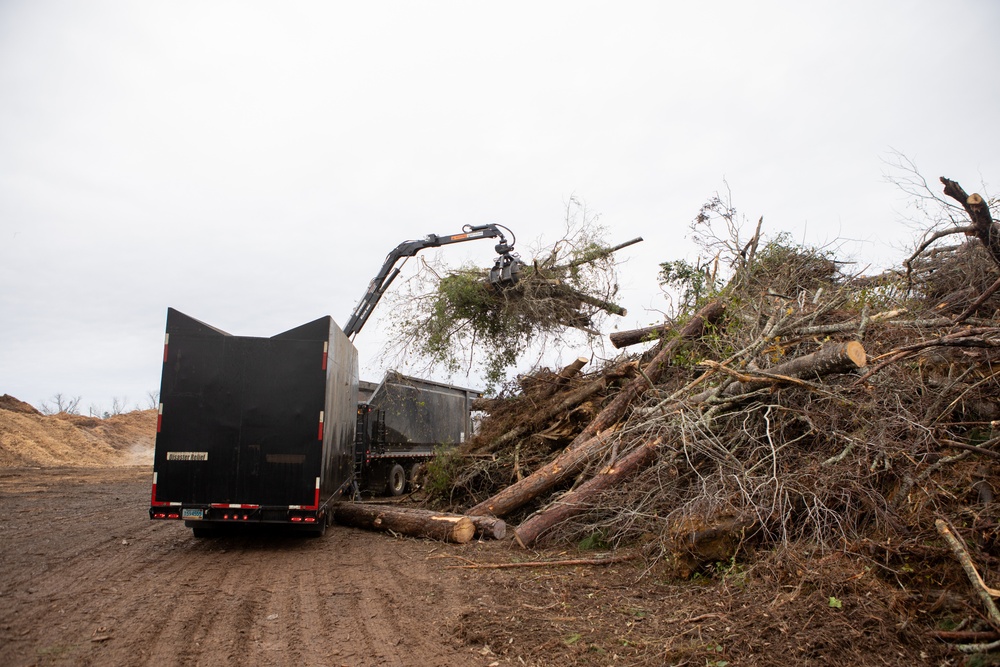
[504, 273]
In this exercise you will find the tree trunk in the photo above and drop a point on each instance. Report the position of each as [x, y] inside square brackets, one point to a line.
[599, 254]
[416, 523]
[578, 500]
[622, 339]
[615, 410]
[488, 527]
[561, 468]
[831, 358]
[485, 527]
[606, 306]
[568, 372]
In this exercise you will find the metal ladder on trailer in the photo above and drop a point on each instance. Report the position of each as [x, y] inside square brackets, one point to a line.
[363, 441]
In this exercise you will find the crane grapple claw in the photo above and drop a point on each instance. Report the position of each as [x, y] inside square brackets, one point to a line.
[505, 271]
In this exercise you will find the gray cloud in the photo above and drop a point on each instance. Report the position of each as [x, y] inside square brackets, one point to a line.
[251, 163]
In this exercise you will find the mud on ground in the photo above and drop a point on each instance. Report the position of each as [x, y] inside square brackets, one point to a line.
[88, 579]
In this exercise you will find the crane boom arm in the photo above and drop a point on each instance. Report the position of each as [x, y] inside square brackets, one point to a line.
[504, 272]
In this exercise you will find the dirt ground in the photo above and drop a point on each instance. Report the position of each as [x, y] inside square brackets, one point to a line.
[88, 579]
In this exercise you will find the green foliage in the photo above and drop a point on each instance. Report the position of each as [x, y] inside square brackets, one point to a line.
[441, 470]
[692, 282]
[465, 305]
[715, 648]
[592, 542]
[454, 320]
[731, 571]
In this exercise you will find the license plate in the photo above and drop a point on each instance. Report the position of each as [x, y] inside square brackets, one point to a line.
[192, 514]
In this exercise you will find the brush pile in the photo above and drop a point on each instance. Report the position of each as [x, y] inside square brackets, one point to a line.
[798, 405]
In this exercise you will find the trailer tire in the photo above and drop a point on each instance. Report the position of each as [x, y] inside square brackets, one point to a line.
[203, 530]
[396, 480]
[414, 477]
[320, 529]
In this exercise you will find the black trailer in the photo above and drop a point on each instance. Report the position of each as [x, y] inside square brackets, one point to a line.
[401, 425]
[254, 430]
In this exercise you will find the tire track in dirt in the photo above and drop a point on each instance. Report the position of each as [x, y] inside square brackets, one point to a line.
[203, 600]
[97, 583]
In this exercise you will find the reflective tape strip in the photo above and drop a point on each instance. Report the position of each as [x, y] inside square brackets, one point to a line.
[315, 505]
[159, 417]
[320, 435]
[152, 500]
[156, 503]
[166, 343]
[326, 352]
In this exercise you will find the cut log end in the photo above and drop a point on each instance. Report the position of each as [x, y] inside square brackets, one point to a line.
[463, 531]
[490, 528]
[855, 351]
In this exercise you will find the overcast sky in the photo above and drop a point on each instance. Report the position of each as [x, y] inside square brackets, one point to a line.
[251, 163]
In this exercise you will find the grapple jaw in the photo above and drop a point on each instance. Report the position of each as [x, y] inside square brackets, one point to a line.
[506, 271]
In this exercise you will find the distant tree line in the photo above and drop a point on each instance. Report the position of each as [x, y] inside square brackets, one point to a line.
[61, 403]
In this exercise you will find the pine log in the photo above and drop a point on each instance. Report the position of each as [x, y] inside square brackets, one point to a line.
[965, 635]
[606, 306]
[616, 409]
[831, 358]
[569, 371]
[567, 464]
[622, 339]
[578, 500]
[415, 523]
[487, 527]
[599, 254]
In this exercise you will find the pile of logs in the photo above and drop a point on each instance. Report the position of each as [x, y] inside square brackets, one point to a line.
[580, 418]
[595, 442]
